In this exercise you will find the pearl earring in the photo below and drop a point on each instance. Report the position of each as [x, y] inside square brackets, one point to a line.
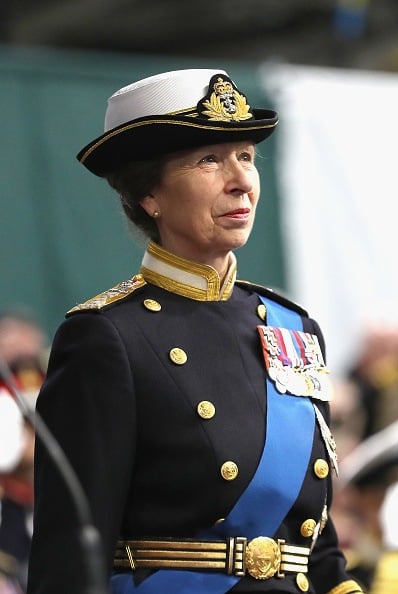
[156, 214]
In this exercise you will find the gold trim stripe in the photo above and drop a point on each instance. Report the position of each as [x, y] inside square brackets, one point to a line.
[294, 559]
[293, 568]
[177, 261]
[143, 554]
[175, 283]
[228, 556]
[187, 124]
[295, 550]
[347, 587]
[164, 282]
[174, 545]
[179, 564]
[185, 111]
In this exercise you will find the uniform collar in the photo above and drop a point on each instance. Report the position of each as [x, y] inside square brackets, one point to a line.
[184, 277]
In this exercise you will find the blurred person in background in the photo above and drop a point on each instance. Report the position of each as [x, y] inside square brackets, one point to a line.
[369, 485]
[193, 407]
[374, 375]
[23, 349]
[365, 410]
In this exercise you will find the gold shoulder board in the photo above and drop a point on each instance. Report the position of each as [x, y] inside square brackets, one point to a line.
[120, 291]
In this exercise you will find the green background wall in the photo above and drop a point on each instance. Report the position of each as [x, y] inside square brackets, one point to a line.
[63, 237]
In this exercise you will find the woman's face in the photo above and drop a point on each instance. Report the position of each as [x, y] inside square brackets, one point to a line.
[207, 200]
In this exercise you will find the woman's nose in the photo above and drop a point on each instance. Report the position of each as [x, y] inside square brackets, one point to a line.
[239, 178]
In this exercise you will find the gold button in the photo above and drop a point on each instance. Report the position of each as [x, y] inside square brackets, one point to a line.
[321, 468]
[178, 356]
[262, 311]
[307, 527]
[206, 409]
[229, 470]
[302, 582]
[152, 305]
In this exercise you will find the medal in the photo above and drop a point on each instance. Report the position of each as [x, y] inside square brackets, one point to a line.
[294, 362]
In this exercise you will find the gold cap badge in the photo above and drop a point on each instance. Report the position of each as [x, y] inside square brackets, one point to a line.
[224, 103]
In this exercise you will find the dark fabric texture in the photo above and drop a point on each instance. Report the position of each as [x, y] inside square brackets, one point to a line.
[126, 417]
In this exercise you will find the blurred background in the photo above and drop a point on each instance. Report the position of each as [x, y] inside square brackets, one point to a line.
[328, 67]
[339, 33]
[326, 228]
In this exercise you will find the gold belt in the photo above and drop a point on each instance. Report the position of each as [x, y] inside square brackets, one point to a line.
[261, 557]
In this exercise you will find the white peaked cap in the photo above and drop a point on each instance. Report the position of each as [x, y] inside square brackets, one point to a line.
[168, 92]
[174, 111]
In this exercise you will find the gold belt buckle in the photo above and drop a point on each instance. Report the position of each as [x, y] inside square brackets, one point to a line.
[263, 557]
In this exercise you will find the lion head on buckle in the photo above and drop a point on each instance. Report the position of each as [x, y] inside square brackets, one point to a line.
[263, 557]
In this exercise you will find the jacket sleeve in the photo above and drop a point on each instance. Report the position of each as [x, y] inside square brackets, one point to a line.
[87, 402]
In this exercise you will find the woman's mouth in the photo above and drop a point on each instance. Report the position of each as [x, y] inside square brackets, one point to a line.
[239, 213]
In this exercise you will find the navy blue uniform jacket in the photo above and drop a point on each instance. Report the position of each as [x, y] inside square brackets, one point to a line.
[126, 416]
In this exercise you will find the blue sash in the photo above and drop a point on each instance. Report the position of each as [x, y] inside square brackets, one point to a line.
[269, 496]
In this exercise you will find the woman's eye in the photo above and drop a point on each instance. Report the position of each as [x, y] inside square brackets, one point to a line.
[208, 159]
[246, 157]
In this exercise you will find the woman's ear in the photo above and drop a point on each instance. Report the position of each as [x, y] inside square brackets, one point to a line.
[150, 205]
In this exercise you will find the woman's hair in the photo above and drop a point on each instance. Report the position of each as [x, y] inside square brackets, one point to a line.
[133, 181]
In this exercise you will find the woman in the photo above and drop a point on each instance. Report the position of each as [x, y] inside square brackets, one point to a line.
[193, 407]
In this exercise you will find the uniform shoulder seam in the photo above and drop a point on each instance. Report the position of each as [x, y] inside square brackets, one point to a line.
[116, 293]
[277, 296]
